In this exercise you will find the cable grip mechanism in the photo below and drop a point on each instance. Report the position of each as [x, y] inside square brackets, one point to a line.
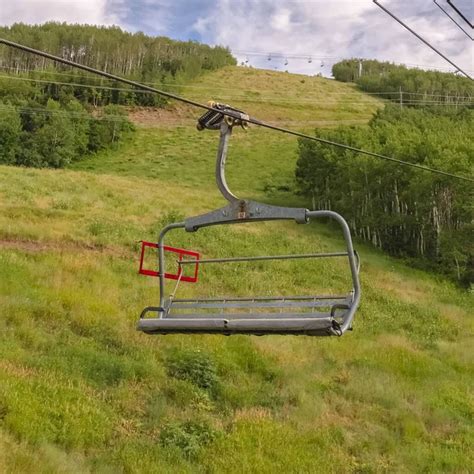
[213, 119]
[217, 120]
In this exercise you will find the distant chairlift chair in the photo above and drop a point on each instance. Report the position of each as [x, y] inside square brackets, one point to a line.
[313, 315]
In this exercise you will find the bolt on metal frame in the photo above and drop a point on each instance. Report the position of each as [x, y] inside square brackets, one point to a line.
[315, 315]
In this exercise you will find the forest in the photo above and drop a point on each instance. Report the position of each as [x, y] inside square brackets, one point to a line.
[160, 61]
[58, 133]
[409, 86]
[50, 116]
[424, 217]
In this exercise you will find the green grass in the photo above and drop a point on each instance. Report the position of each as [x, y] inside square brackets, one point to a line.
[259, 161]
[82, 391]
[276, 96]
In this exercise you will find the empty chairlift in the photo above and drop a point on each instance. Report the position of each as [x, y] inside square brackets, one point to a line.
[314, 314]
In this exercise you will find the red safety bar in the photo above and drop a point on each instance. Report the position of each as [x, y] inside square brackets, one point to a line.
[171, 276]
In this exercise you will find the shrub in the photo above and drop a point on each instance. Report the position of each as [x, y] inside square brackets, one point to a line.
[10, 131]
[195, 367]
[189, 436]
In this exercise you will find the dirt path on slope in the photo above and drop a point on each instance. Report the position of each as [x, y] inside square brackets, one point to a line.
[48, 246]
[180, 115]
[169, 116]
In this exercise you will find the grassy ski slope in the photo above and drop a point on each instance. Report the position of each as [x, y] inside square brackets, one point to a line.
[82, 391]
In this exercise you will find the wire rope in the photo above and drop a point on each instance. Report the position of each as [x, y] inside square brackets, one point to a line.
[228, 113]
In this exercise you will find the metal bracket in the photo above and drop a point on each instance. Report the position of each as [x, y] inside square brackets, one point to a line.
[245, 211]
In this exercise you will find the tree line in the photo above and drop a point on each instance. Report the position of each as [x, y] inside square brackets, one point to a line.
[424, 217]
[409, 85]
[46, 124]
[157, 60]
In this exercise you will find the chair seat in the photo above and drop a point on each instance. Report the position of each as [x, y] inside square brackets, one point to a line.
[310, 315]
[213, 325]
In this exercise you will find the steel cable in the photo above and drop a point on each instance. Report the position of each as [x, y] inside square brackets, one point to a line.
[234, 115]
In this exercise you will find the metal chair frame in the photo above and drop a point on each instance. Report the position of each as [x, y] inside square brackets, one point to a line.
[315, 315]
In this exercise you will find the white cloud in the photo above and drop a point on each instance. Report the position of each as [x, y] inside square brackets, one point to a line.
[335, 28]
[71, 11]
[281, 20]
[339, 28]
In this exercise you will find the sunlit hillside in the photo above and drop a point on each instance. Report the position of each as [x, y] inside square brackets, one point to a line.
[281, 98]
[82, 391]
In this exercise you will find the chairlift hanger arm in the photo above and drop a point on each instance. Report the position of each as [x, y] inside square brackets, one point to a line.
[231, 113]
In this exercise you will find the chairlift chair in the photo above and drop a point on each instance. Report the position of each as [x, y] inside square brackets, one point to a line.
[314, 315]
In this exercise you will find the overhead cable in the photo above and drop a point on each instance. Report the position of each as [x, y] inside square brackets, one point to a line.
[460, 13]
[412, 31]
[331, 59]
[227, 112]
[453, 20]
[353, 92]
[339, 100]
[65, 113]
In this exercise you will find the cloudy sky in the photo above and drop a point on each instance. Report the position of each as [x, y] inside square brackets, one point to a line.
[293, 30]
